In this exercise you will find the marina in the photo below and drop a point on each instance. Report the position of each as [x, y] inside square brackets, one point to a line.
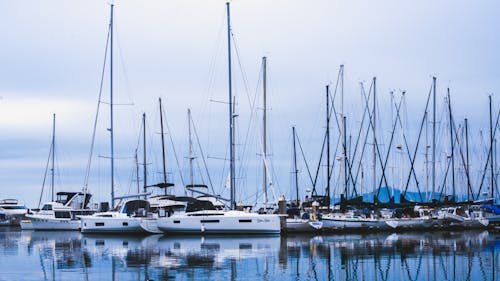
[306, 160]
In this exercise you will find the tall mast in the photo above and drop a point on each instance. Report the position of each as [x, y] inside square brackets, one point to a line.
[191, 158]
[296, 171]
[111, 111]
[163, 147]
[264, 126]
[469, 188]
[452, 147]
[346, 179]
[144, 151]
[231, 114]
[343, 134]
[136, 158]
[374, 140]
[53, 152]
[433, 138]
[426, 157]
[328, 144]
[402, 141]
[491, 152]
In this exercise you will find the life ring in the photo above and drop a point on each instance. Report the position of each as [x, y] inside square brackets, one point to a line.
[312, 217]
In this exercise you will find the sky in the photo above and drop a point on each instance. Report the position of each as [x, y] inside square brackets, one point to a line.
[52, 55]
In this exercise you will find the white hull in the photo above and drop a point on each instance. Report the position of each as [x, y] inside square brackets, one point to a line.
[301, 225]
[26, 224]
[467, 222]
[222, 222]
[45, 223]
[91, 224]
[410, 223]
[151, 226]
[340, 223]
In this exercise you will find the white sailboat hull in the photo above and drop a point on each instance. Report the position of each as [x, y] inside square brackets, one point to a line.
[229, 222]
[92, 224]
[302, 225]
[410, 223]
[340, 223]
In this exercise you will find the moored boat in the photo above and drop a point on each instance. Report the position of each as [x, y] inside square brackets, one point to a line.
[61, 214]
[11, 212]
[52, 216]
[133, 217]
[460, 216]
[220, 222]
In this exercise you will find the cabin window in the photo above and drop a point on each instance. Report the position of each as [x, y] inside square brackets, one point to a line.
[62, 215]
[125, 223]
[47, 207]
[14, 207]
[99, 224]
[209, 221]
[245, 246]
[205, 214]
[177, 221]
[245, 220]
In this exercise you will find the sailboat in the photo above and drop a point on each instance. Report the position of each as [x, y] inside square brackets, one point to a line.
[223, 221]
[463, 217]
[131, 216]
[61, 213]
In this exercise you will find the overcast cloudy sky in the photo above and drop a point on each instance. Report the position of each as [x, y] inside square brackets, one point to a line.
[52, 52]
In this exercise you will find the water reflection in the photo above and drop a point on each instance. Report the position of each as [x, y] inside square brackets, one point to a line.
[30, 255]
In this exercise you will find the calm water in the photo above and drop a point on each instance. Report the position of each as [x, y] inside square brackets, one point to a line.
[27, 255]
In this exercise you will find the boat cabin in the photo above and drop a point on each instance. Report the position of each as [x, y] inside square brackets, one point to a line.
[57, 210]
[136, 208]
[75, 200]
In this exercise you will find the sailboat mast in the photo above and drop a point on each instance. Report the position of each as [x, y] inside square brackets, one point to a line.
[452, 147]
[191, 158]
[328, 144]
[136, 158]
[426, 157]
[491, 152]
[111, 111]
[296, 171]
[433, 138]
[144, 152]
[374, 164]
[346, 179]
[264, 126]
[53, 152]
[469, 188]
[163, 146]
[231, 115]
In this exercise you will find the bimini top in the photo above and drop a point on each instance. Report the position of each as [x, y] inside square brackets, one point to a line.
[133, 207]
